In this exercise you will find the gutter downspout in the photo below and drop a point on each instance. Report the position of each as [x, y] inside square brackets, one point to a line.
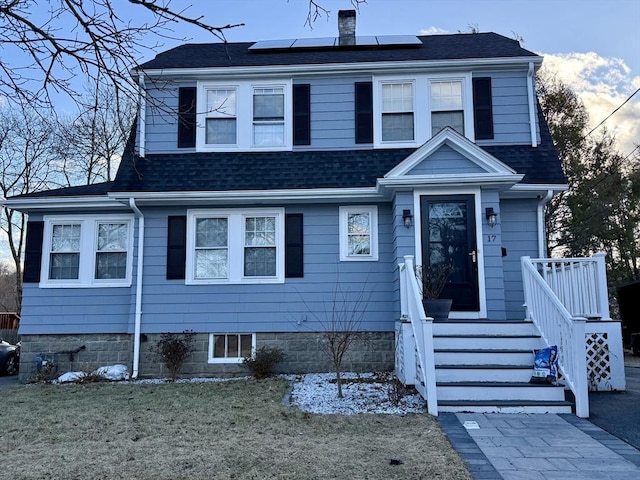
[542, 253]
[532, 105]
[142, 108]
[138, 313]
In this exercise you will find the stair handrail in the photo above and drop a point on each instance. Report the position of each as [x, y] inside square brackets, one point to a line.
[422, 326]
[579, 283]
[558, 327]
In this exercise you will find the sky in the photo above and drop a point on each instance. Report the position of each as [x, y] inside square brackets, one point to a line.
[592, 45]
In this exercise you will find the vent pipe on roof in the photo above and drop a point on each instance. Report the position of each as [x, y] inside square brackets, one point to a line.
[347, 27]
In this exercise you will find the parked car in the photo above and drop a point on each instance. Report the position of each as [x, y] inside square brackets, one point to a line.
[9, 358]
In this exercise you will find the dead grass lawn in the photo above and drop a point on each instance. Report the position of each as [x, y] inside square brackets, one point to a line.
[232, 430]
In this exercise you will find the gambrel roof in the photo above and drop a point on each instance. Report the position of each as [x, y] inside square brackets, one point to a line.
[432, 47]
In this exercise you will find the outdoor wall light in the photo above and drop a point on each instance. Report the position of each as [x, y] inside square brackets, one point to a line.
[407, 218]
[492, 217]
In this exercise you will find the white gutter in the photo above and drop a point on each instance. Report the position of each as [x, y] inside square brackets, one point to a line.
[142, 109]
[138, 313]
[532, 105]
[542, 253]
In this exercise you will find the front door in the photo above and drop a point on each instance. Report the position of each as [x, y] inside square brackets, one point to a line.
[449, 237]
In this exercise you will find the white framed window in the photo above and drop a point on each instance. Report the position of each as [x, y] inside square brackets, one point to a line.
[231, 347]
[358, 233]
[447, 105]
[235, 246]
[87, 251]
[221, 116]
[268, 116]
[397, 118]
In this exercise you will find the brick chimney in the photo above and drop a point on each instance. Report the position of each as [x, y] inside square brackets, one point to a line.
[347, 27]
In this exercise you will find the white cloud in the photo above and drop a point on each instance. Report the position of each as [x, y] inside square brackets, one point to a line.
[433, 31]
[603, 84]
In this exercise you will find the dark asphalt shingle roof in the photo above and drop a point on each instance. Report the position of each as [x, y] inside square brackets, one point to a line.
[95, 189]
[433, 47]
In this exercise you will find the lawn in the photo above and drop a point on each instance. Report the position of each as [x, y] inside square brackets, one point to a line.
[234, 430]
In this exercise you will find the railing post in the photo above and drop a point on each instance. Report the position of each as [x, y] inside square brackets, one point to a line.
[429, 366]
[404, 312]
[580, 372]
[601, 279]
[525, 278]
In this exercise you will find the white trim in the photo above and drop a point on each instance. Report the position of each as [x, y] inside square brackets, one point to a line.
[477, 194]
[88, 247]
[142, 115]
[229, 360]
[356, 67]
[343, 213]
[235, 245]
[532, 106]
[467, 101]
[139, 276]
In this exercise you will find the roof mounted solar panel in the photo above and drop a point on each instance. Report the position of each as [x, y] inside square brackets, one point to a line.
[272, 45]
[390, 40]
[366, 41]
[314, 42]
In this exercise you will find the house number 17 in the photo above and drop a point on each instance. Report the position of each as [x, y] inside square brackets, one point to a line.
[491, 238]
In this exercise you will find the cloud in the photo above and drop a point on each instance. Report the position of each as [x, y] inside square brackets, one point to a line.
[433, 31]
[603, 84]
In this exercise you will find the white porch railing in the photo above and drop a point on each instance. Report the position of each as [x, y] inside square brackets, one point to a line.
[579, 283]
[558, 326]
[422, 326]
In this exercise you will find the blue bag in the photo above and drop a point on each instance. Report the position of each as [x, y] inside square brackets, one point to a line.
[545, 365]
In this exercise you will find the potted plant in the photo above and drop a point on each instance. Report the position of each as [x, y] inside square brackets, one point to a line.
[431, 282]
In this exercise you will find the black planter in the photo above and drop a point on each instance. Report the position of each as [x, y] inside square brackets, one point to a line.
[438, 308]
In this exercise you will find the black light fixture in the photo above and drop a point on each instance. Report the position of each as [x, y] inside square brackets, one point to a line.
[492, 217]
[407, 218]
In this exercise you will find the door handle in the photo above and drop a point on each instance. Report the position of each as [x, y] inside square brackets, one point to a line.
[473, 256]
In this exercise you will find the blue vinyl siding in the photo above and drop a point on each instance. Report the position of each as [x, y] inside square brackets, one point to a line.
[492, 254]
[519, 237]
[162, 118]
[510, 108]
[174, 306]
[333, 113]
[445, 161]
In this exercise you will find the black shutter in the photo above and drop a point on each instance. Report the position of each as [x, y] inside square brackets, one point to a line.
[364, 112]
[187, 117]
[482, 108]
[302, 114]
[176, 247]
[293, 250]
[33, 252]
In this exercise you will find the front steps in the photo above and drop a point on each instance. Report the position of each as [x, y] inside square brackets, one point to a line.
[485, 366]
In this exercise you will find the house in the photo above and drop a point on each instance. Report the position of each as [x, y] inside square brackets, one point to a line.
[267, 183]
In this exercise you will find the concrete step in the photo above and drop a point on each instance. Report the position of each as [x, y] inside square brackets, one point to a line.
[487, 341]
[483, 327]
[484, 373]
[505, 406]
[476, 356]
[505, 391]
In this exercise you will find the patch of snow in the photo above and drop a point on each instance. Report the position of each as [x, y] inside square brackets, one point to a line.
[70, 377]
[363, 393]
[113, 372]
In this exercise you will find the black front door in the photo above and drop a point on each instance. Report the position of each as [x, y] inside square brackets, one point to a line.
[449, 237]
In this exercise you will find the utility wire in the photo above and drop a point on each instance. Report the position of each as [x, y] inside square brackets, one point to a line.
[609, 116]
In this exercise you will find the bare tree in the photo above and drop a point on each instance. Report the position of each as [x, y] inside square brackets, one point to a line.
[27, 164]
[8, 288]
[91, 144]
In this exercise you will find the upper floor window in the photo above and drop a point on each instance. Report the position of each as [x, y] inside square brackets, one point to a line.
[268, 116]
[447, 108]
[397, 112]
[243, 246]
[221, 121]
[83, 251]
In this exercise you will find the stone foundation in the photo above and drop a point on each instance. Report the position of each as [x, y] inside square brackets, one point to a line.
[303, 354]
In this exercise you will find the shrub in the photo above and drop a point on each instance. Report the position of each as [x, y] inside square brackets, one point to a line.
[173, 349]
[262, 364]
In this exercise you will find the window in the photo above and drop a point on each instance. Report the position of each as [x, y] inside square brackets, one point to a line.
[85, 252]
[231, 347]
[235, 246]
[358, 233]
[397, 112]
[446, 106]
[221, 117]
[268, 117]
